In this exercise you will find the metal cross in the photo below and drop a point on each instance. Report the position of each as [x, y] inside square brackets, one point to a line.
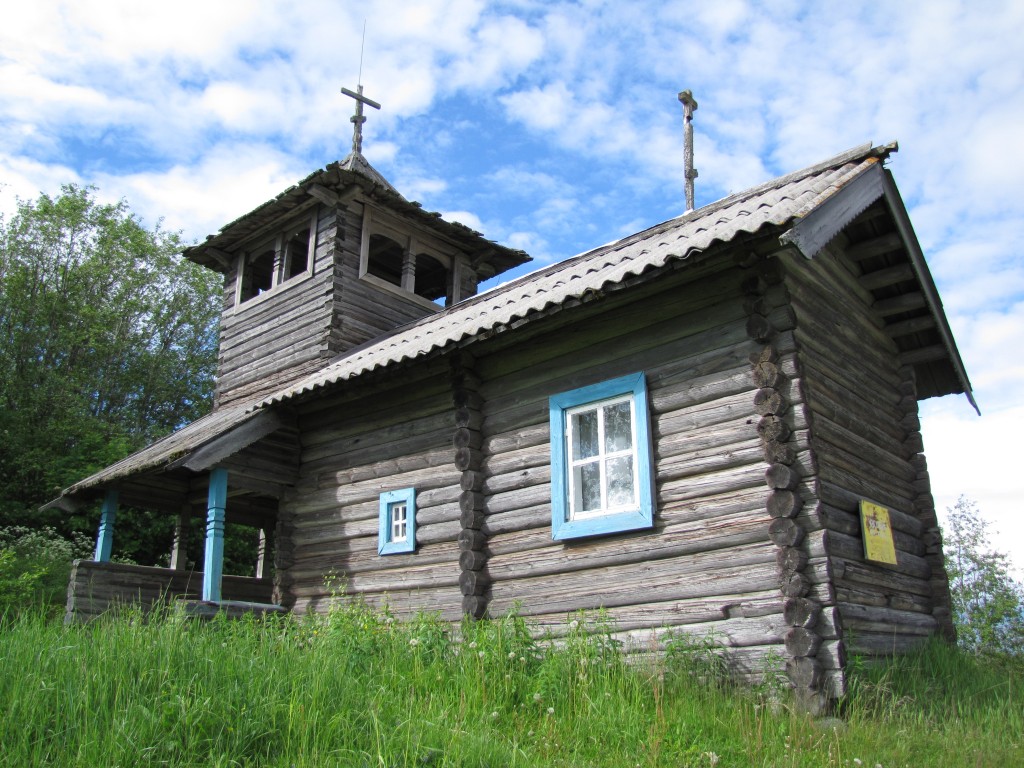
[358, 119]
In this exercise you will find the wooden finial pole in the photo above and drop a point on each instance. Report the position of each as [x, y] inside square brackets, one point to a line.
[358, 118]
[689, 107]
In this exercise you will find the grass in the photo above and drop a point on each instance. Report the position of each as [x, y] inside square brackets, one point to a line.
[355, 688]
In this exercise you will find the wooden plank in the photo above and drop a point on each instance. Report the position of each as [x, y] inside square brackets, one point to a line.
[882, 278]
[876, 246]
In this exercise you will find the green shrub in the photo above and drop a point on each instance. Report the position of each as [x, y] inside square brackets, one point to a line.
[35, 566]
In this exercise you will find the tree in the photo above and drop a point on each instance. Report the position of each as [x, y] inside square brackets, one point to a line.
[107, 341]
[988, 605]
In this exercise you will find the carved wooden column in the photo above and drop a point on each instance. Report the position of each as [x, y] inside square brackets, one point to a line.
[213, 562]
[105, 536]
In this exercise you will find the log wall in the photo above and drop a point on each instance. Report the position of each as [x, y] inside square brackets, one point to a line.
[861, 408]
[96, 588]
[355, 446]
[361, 311]
[708, 566]
[274, 338]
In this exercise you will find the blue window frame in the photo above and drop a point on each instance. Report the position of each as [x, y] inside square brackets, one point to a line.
[397, 527]
[601, 467]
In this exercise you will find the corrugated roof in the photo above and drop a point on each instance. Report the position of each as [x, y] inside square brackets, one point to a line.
[778, 203]
[169, 448]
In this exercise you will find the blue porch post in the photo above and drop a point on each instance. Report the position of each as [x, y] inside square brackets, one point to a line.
[213, 564]
[105, 537]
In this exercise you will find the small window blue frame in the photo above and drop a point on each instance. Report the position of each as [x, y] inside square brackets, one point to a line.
[397, 525]
[637, 516]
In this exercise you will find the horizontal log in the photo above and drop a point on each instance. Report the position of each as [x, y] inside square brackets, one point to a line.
[778, 453]
[874, 576]
[783, 503]
[870, 618]
[467, 438]
[773, 427]
[474, 582]
[801, 641]
[686, 545]
[467, 458]
[794, 585]
[472, 540]
[801, 612]
[472, 481]
[781, 477]
[769, 402]
[474, 606]
[791, 559]
[804, 672]
[472, 560]
[472, 518]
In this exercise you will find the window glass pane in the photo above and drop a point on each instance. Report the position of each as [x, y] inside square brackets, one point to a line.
[620, 481]
[588, 487]
[398, 522]
[585, 439]
[618, 428]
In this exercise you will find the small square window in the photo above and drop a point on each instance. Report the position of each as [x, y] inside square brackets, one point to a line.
[601, 478]
[397, 527]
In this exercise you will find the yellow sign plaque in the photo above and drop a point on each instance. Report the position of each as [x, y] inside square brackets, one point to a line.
[879, 546]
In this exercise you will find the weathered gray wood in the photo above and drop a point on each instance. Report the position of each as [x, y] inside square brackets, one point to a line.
[801, 641]
[876, 246]
[881, 278]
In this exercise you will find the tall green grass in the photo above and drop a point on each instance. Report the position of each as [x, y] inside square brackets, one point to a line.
[355, 688]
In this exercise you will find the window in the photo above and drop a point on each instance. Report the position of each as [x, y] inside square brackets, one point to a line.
[397, 527]
[276, 259]
[408, 262]
[601, 479]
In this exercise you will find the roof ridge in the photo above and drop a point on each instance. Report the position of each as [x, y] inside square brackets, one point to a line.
[675, 239]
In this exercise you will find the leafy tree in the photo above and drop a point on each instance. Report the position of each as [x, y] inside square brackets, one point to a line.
[107, 341]
[988, 605]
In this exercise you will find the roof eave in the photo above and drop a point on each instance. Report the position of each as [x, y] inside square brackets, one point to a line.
[810, 233]
[894, 201]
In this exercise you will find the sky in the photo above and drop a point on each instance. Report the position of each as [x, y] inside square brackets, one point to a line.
[555, 127]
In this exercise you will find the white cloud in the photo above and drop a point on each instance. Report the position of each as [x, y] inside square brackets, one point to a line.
[468, 218]
[200, 199]
[990, 476]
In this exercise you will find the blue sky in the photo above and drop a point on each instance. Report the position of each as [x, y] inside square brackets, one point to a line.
[554, 127]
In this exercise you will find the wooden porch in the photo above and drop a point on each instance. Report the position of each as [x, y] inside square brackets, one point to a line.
[96, 588]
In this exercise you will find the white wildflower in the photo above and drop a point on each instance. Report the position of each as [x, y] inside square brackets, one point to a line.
[537, 697]
[551, 710]
[414, 642]
[511, 654]
[473, 644]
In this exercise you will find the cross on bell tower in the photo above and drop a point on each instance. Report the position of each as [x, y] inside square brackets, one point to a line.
[358, 118]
